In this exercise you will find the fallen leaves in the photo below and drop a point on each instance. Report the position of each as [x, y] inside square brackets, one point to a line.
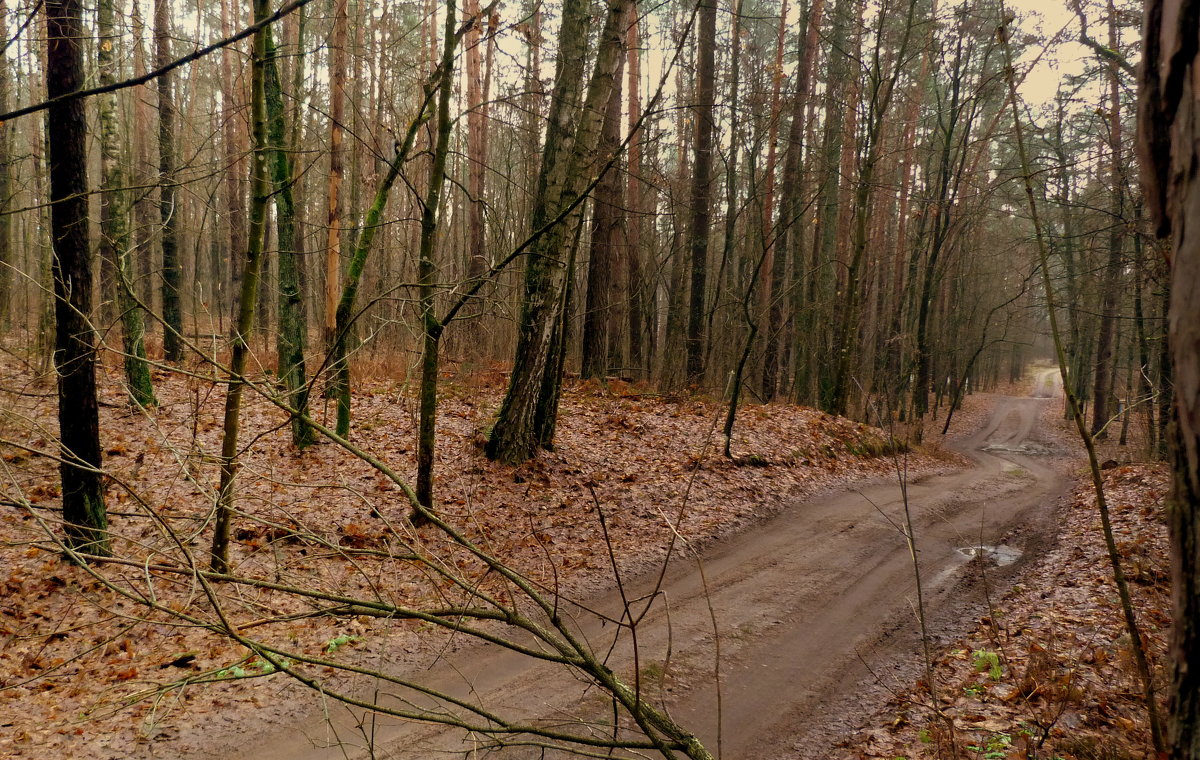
[321, 519]
[1067, 683]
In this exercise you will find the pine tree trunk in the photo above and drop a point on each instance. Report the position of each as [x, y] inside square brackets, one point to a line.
[6, 251]
[74, 340]
[1110, 292]
[604, 256]
[172, 270]
[476, 141]
[769, 235]
[427, 267]
[235, 205]
[337, 115]
[1169, 148]
[702, 109]
[788, 228]
[636, 295]
[813, 364]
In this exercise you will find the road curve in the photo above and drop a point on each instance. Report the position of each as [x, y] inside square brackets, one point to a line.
[814, 613]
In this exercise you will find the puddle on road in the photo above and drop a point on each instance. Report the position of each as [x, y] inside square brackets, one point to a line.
[1032, 449]
[1001, 555]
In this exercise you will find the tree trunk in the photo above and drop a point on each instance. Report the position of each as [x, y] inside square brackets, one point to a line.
[605, 254]
[74, 340]
[882, 87]
[248, 299]
[172, 270]
[525, 420]
[811, 355]
[476, 144]
[703, 111]
[775, 257]
[1169, 147]
[344, 314]
[337, 101]
[1105, 350]
[6, 251]
[293, 327]
[639, 357]
[427, 268]
[235, 204]
[788, 228]
[114, 216]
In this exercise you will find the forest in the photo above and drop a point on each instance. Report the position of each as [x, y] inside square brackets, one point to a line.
[346, 342]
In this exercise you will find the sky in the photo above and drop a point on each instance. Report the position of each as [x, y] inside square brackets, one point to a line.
[1047, 19]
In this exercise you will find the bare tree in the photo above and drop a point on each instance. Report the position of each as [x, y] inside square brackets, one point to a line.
[243, 326]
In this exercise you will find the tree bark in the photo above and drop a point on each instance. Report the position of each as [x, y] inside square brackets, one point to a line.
[231, 136]
[74, 340]
[788, 228]
[293, 327]
[639, 335]
[337, 105]
[114, 216]
[811, 354]
[605, 252]
[476, 144]
[248, 299]
[703, 112]
[525, 420]
[427, 268]
[882, 85]
[1169, 148]
[172, 271]
[6, 251]
[1106, 337]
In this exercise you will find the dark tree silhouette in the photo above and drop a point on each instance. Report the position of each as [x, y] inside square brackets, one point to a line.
[74, 338]
[1169, 143]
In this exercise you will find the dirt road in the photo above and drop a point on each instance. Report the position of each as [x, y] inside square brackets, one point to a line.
[814, 614]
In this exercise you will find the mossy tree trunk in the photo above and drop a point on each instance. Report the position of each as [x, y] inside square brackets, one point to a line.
[293, 327]
[114, 217]
[344, 312]
[427, 268]
[248, 298]
[172, 271]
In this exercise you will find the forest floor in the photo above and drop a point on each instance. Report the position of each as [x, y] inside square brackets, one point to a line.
[87, 671]
[808, 616]
[1048, 671]
[84, 672]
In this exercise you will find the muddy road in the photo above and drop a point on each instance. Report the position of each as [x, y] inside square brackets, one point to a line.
[814, 613]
